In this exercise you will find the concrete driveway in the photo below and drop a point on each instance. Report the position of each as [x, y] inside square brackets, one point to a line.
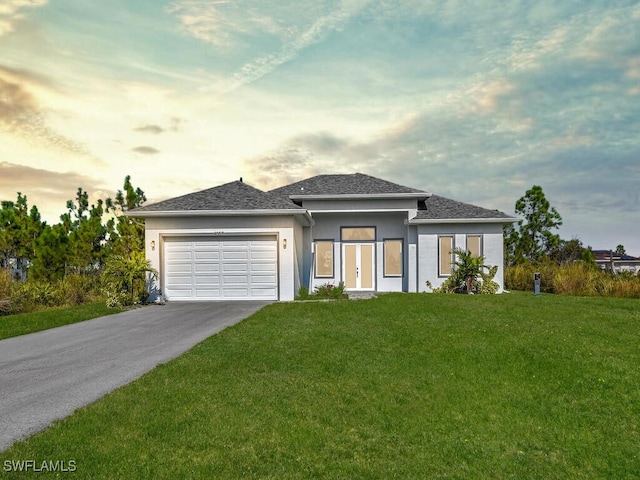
[45, 376]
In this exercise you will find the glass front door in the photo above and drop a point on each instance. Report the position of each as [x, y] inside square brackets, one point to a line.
[358, 266]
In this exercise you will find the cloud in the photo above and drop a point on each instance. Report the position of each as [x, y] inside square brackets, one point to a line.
[11, 11]
[145, 150]
[175, 125]
[22, 115]
[46, 189]
[154, 129]
[294, 27]
[203, 20]
[314, 33]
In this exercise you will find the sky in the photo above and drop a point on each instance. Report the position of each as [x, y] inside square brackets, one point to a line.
[472, 100]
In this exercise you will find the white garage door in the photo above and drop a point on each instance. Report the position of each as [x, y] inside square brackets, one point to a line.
[221, 268]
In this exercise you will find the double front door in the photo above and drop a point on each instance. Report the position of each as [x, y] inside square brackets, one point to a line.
[358, 269]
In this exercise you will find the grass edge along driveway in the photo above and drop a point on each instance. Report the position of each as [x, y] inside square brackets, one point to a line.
[24, 323]
[405, 386]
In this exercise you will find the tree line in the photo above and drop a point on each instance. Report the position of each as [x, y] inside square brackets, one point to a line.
[566, 266]
[99, 240]
[86, 236]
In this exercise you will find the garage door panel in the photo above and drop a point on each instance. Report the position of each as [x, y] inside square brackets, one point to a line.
[235, 293]
[207, 294]
[215, 269]
[264, 268]
[181, 256]
[207, 244]
[179, 268]
[179, 280]
[263, 293]
[235, 255]
[183, 292]
[206, 268]
[261, 279]
[204, 256]
[265, 255]
[207, 280]
[235, 268]
[235, 280]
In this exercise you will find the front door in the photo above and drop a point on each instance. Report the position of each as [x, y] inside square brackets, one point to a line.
[358, 266]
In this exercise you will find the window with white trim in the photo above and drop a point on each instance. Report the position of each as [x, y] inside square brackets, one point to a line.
[324, 258]
[445, 255]
[393, 258]
[474, 245]
[366, 234]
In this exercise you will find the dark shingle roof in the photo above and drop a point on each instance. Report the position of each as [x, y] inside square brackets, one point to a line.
[441, 208]
[230, 196]
[351, 184]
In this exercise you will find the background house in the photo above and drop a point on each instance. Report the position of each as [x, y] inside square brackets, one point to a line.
[611, 261]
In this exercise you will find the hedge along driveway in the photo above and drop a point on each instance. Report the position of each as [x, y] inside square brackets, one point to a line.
[45, 376]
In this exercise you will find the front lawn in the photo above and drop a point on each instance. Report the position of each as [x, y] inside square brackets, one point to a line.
[23, 323]
[402, 386]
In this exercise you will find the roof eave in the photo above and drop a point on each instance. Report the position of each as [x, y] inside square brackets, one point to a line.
[360, 196]
[216, 213]
[423, 221]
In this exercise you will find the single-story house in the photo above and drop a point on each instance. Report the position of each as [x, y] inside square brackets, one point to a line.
[611, 261]
[235, 242]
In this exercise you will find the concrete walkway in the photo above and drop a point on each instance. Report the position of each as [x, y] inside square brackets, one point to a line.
[46, 375]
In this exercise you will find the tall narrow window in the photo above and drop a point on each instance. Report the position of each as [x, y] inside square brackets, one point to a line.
[445, 256]
[474, 245]
[324, 258]
[393, 258]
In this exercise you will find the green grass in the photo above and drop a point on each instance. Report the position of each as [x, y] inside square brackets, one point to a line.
[23, 323]
[402, 386]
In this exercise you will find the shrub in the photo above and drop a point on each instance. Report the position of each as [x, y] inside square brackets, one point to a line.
[458, 281]
[577, 278]
[329, 290]
[303, 293]
[520, 276]
[79, 289]
[124, 279]
[325, 291]
[23, 297]
[5, 292]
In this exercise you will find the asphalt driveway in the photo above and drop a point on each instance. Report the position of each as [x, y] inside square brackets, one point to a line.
[46, 375]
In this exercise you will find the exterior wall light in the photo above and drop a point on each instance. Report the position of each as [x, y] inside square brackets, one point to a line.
[153, 244]
[284, 243]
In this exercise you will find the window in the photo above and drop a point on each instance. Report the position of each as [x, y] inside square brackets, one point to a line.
[367, 234]
[324, 258]
[393, 258]
[474, 245]
[445, 257]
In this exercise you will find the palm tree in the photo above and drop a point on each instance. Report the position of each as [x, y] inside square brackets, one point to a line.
[468, 267]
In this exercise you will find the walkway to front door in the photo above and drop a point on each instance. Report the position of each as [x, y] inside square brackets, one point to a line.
[358, 266]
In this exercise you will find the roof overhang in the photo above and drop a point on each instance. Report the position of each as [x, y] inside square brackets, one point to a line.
[222, 213]
[364, 196]
[432, 221]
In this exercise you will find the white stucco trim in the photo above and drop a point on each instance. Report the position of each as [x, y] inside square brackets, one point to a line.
[440, 221]
[222, 213]
[154, 241]
[362, 196]
[360, 210]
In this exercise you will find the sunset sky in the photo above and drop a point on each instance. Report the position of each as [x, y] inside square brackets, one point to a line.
[472, 100]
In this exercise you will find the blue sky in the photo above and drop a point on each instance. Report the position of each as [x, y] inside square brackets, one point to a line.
[474, 100]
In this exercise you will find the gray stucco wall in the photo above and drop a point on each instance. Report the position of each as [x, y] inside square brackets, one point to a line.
[427, 247]
[388, 225]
